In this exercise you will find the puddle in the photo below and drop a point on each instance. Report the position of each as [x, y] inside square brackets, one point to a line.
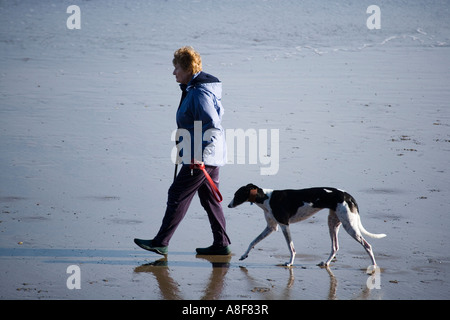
[126, 221]
[101, 198]
[382, 191]
[11, 198]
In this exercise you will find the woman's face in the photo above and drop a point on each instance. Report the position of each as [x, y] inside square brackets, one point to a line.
[182, 76]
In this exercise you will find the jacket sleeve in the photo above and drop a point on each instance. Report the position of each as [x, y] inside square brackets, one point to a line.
[208, 110]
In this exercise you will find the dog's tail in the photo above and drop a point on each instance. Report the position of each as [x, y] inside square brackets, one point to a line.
[367, 233]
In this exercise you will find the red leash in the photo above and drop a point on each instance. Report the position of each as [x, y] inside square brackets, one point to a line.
[214, 189]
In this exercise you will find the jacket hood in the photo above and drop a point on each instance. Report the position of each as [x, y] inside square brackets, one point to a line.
[206, 81]
[203, 77]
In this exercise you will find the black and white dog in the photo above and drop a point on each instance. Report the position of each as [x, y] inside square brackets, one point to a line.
[283, 207]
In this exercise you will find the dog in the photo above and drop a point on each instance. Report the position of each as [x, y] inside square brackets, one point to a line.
[283, 207]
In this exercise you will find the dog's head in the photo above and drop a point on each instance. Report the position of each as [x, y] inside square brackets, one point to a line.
[248, 193]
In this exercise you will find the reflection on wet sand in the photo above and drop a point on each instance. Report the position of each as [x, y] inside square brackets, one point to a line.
[286, 293]
[170, 288]
[333, 285]
[167, 286]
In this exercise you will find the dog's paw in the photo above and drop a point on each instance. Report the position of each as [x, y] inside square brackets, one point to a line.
[243, 257]
[323, 265]
[288, 264]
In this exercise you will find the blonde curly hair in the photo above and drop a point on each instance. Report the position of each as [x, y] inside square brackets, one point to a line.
[188, 59]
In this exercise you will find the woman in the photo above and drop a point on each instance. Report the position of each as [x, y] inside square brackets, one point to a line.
[200, 101]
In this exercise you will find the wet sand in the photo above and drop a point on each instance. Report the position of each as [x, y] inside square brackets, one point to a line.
[408, 269]
[86, 119]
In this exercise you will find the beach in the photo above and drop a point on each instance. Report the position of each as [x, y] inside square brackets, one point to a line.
[87, 115]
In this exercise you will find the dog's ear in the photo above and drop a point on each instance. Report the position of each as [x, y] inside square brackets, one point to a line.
[251, 186]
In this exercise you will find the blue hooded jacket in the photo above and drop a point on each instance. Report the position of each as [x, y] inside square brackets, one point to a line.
[201, 101]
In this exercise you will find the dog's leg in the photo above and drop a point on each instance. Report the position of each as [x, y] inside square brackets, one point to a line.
[287, 236]
[268, 230]
[369, 251]
[359, 238]
[350, 223]
[333, 225]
